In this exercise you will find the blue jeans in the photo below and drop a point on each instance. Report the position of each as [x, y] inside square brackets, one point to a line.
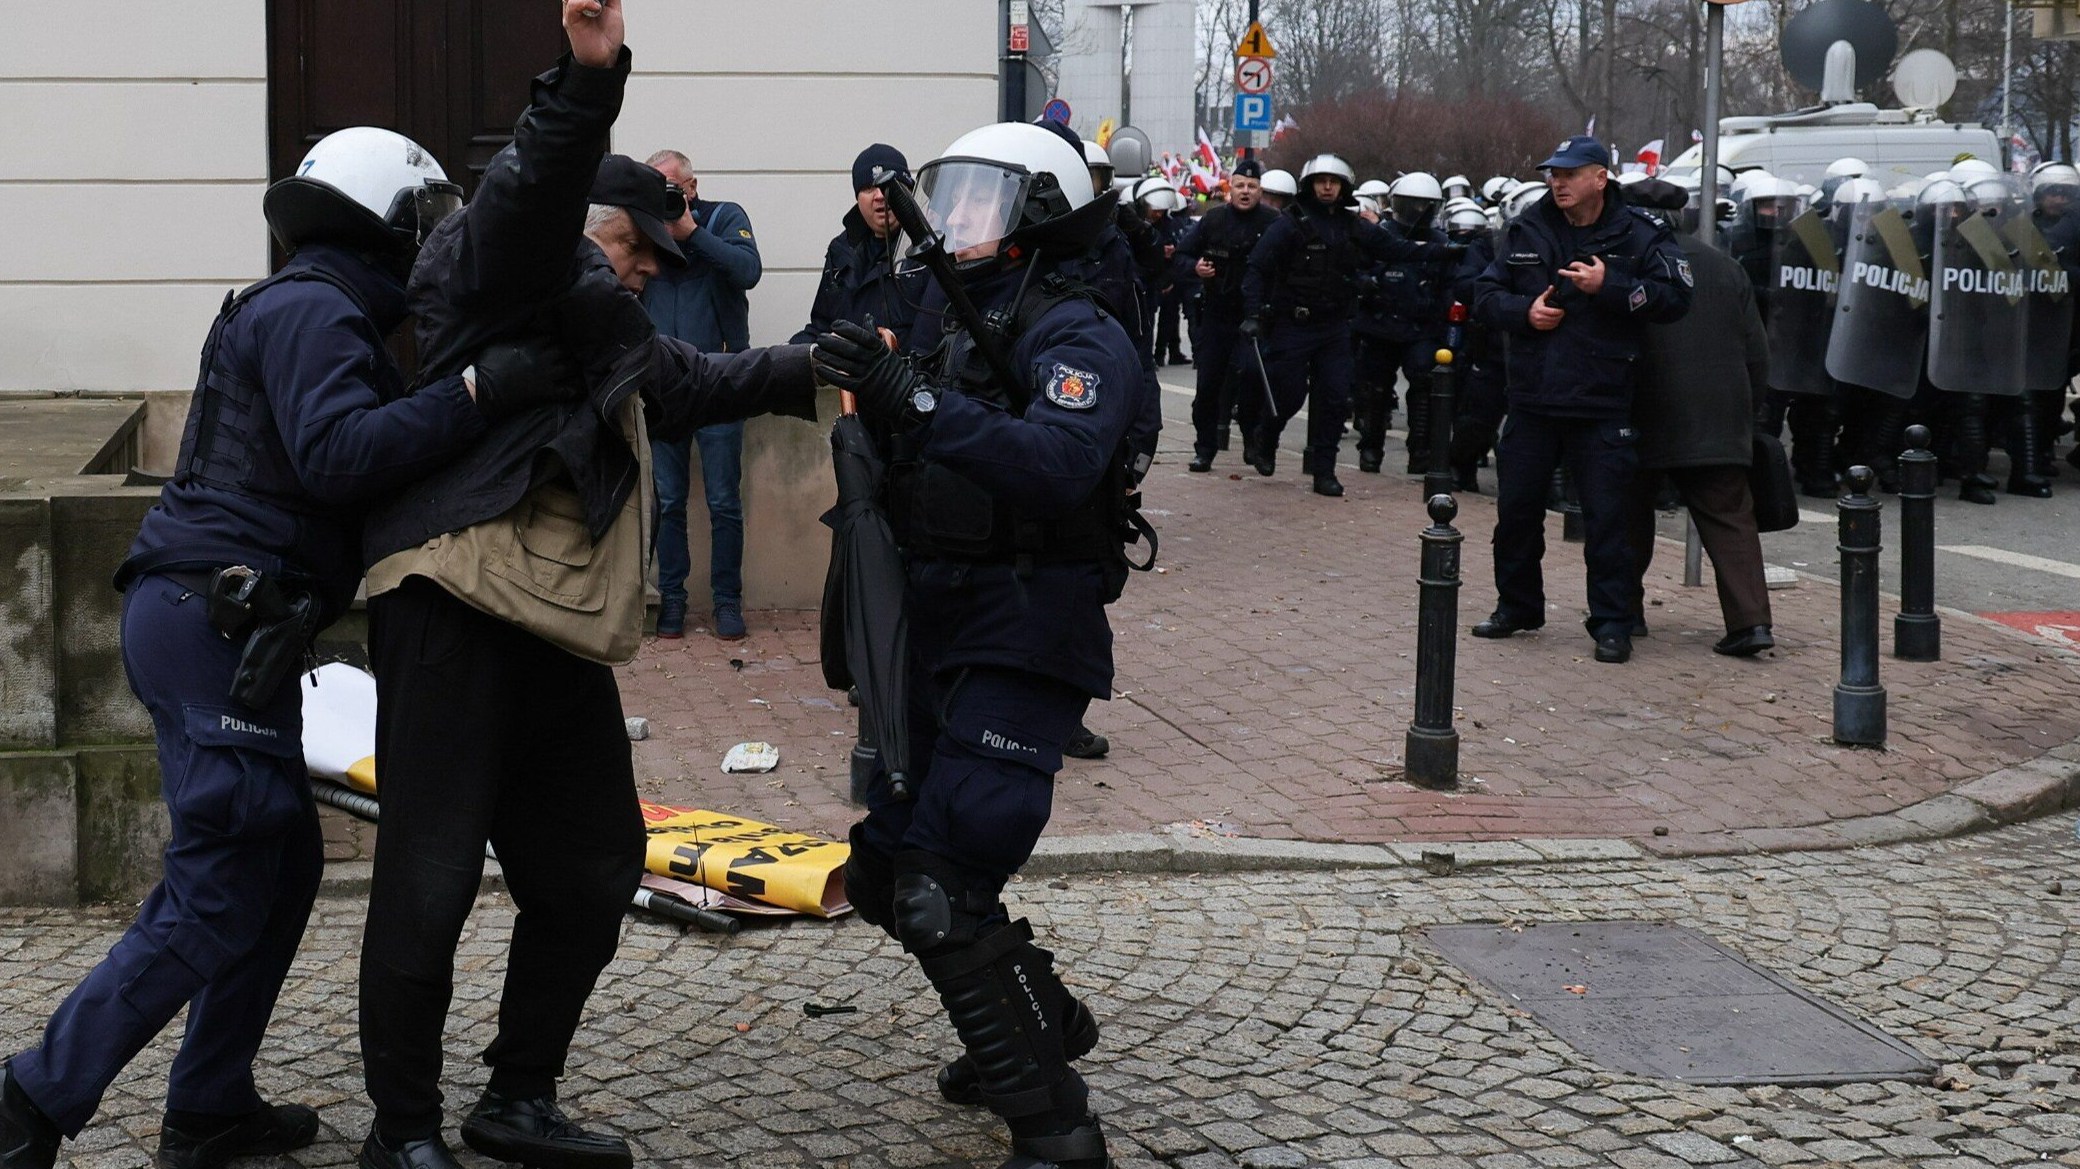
[722, 469]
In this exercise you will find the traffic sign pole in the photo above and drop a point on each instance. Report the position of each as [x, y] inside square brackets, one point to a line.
[1255, 18]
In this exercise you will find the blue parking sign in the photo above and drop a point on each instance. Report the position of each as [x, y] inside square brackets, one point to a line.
[1253, 113]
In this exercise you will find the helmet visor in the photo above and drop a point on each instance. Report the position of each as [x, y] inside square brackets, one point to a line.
[970, 202]
[418, 210]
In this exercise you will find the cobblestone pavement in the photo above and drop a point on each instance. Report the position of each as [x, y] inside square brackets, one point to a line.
[1266, 680]
[1262, 1021]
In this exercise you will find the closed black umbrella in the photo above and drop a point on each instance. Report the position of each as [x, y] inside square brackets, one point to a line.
[866, 637]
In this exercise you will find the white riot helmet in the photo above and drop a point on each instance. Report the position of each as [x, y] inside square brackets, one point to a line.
[1015, 184]
[1458, 187]
[1372, 196]
[1330, 166]
[1520, 199]
[1971, 170]
[363, 187]
[1495, 188]
[1847, 168]
[1858, 189]
[1099, 164]
[1155, 193]
[2053, 175]
[1414, 198]
[1280, 183]
[1941, 191]
[1464, 218]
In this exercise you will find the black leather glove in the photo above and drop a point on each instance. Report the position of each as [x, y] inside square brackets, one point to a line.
[512, 376]
[1252, 328]
[853, 357]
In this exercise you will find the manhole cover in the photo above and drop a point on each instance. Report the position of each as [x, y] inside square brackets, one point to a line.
[1662, 1000]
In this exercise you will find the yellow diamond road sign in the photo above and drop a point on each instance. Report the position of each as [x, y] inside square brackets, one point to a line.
[1255, 43]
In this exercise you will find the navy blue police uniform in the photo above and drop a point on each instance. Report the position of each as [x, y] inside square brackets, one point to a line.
[1399, 324]
[298, 422]
[1224, 238]
[1302, 288]
[1479, 400]
[1570, 392]
[1004, 502]
[861, 280]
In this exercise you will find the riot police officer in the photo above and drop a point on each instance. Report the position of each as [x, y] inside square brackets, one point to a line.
[299, 420]
[1297, 302]
[1412, 302]
[2054, 193]
[1218, 247]
[1478, 403]
[1279, 189]
[1005, 500]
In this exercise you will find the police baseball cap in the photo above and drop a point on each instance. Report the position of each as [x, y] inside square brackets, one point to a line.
[1580, 150]
[649, 199]
[1248, 168]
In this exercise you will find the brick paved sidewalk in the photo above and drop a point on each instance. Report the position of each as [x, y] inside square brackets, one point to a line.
[1266, 680]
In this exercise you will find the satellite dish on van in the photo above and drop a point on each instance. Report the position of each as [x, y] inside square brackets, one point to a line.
[1924, 79]
[1864, 26]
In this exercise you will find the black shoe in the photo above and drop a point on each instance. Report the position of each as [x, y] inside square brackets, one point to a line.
[431, 1153]
[1086, 744]
[1082, 1147]
[1615, 648]
[1369, 461]
[1177, 357]
[1418, 464]
[1466, 479]
[270, 1130]
[28, 1139]
[2030, 486]
[1639, 627]
[1266, 461]
[2073, 458]
[1326, 484]
[1977, 489]
[1500, 624]
[1745, 643]
[537, 1134]
[1200, 464]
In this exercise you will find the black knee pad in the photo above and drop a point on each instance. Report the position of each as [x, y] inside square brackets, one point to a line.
[934, 907]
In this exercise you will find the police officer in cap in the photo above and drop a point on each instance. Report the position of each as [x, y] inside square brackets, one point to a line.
[861, 278]
[1005, 500]
[1576, 280]
[1218, 247]
[1297, 302]
[299, 421]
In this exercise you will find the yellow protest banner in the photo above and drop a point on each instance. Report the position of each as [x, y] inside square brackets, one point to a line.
[746, 858]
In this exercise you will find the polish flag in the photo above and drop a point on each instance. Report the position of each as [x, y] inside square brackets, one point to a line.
[1649, 156]
[1208, 157]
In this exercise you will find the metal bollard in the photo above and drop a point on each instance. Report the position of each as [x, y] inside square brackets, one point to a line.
[1917, 633]
[1432, 747]
[1859, 702]
[1438, 479]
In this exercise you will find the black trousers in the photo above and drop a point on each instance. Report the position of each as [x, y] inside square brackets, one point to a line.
[487, 733]
[1599, 453]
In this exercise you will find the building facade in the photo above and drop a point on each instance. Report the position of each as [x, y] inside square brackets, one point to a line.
[1156, 93]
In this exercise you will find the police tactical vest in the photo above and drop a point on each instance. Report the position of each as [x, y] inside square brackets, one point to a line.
[1226, 240]
[1318, 276]
[230, 441]
[937, 512]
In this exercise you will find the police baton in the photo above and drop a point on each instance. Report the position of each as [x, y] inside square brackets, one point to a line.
[930, 250]
[1264, 376]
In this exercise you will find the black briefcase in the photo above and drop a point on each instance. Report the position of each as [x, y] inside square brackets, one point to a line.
[1769, 481]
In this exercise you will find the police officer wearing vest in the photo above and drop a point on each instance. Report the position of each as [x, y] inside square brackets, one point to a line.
[1218, 247]
[1576, 279]
[1401, 322]
[1297, 300]
[1005, 500]
[298, 422]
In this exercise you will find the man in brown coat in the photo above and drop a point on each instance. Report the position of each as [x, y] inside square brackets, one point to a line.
[1702, 381]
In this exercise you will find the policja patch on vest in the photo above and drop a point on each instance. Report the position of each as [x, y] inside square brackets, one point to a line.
[1072, 389]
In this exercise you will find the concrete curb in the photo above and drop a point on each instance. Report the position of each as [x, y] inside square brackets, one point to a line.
[2039, 787]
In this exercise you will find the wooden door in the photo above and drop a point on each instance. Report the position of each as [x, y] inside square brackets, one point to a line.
[449, 74]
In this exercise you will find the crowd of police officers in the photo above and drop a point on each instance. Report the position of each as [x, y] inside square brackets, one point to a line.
[1889, 300]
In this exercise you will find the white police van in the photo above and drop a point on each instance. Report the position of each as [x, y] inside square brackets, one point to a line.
[1799, 146]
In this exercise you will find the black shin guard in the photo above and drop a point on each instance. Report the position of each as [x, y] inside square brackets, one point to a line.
[870, 884]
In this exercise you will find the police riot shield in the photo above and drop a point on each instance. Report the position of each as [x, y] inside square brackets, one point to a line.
[1880, 328]
[1805, 264]
[1978, 320]
[2050, 305]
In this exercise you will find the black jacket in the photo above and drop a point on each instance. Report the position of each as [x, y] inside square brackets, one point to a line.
[1225, 237]
[514, 263]
[1702, 378]
[1310, 257]
[1583, 368]
[860, 281]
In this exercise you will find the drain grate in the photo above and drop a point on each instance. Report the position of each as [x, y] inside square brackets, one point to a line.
[1662, 1000]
